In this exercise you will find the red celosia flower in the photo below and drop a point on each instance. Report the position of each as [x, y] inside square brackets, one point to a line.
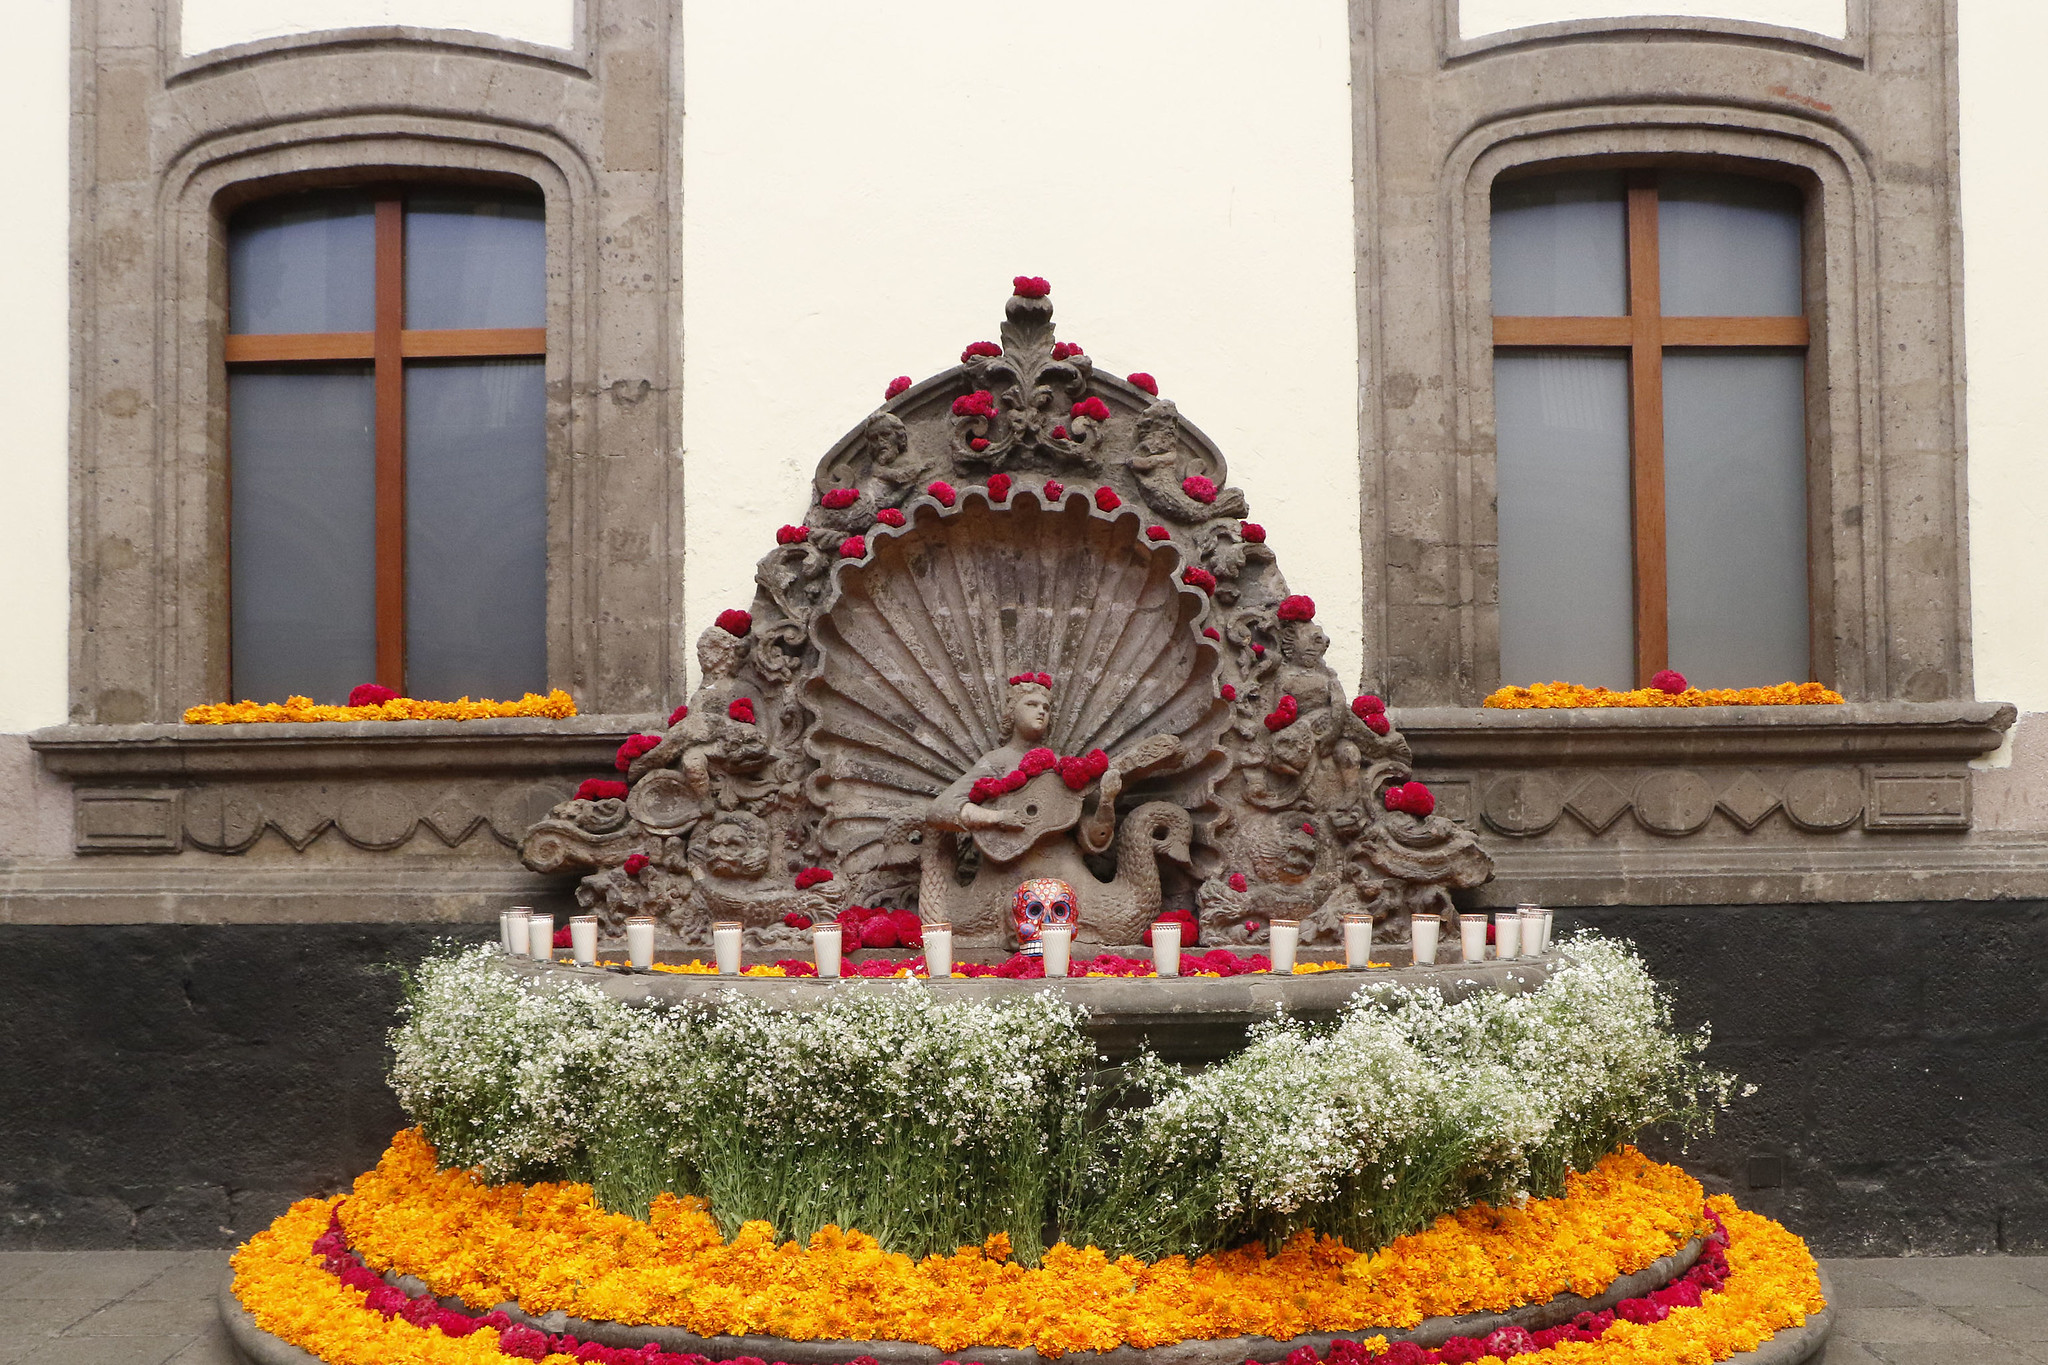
[564, 939]
[1211, 633]
[370, 694]
[812, 876]
[853, 547]
[678, 713]
[909, 927]
[1258, 650]
[600, 789]
[735, 622]
[1378, 723]
[792, 535]
[1030, 287]
[1229, 692]
[1066, 350]
[797, 919]
[1196, 577]
[1015, 779]
[977, 444]
[1670, 680]
[1093, 408]
[1054, 490]
[943, 491]
[1038, 761]
[1106, 499]
[1237, 882]
[741, 709]
[1199, 487]
[1144, 381]
[1297, 607]
[980, 403]
[877, 933]
[998, 487]
[1059, 433]
[1042, 679]
[897, 385]
[986, 788]
[839, 499]
[1073, 771]
[1307, 828]
[1412, 797]
[987, 348]
[637, 864]
[634, 746]
[1367, 705]
[1157, 533]
[1251, 926]
[889, 516]
[1284, 714]
[1253, 532]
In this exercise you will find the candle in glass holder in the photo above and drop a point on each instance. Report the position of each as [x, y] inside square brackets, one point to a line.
[583, 939]
[640, 942]
[540, 937]
[1507, 935]
[1544, 945]
[725, 942]
[515, 930]
[825, 948]
[938, 949]
[1357, 940]
[1422, 932]
[1472, 932]
[1283, 935]
[1058, 945]
[1532, 931]
[1166, 947]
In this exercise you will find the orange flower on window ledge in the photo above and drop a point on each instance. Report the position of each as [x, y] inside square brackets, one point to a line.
[1564, 696]
[556, 705]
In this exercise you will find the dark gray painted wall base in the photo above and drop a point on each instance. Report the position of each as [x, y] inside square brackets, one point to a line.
[178, 1085]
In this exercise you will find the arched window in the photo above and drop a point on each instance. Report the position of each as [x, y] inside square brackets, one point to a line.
[1649, 372]
[386, 444]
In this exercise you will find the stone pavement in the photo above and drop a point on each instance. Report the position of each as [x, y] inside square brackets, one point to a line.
[157, 1307]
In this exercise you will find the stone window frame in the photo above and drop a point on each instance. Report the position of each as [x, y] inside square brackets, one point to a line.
[1853, 46]
[1848, 611]
[576, 58]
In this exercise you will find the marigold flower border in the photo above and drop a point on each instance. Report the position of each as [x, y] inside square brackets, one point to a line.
[556, 705]
[1567, 696]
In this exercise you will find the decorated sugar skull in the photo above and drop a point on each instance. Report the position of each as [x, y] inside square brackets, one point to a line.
[1039, 902]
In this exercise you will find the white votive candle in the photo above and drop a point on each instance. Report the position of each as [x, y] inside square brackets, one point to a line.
[1532, 931]
[1472, 932]
[640, 942]
[583, 939]
[1059, 946]
[1422, 932]
[725, 942]
[540, 937]
[1166, 947]
[1544, 947]
[1507, 935]
[515, 930]
[1283, 935]
[825, 949]
[1357, 940]
[938, 949]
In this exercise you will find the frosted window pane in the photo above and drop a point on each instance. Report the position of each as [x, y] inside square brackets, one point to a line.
[302, 567]
[1735, 516]
[1728, 246]
[306, 263]
[475, 261]
[1566, 563]
[476, 529]
[1560, 246]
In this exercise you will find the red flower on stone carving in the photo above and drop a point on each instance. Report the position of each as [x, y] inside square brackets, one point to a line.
[1093, 408]
[637, 863]
[600, 789]
[985, 788]
[797, 919]
[1238, 883]
[889, 516]
[1196, 577]
[370, 694]
[1144, 381]
[1670, 680]
[1030, 287]
[1284, 714]
[1297, 607]
[1307, 828]
[977, 444]
[1378, 723]
[812, 876]
[1157, 533]
[1042, 679]
[853, 547]
[1106, 499]
[678, 713]
[1199, 487]
[1059, 433]
[1253, 532]
[1258, 650]
[987, 348]
[1054, 490]
[1367, 705]
[1039, 761]
[839, 499]
[1211, 633]
[943, 491]
[1412, 797]
[897, 385]
[878, 932]
[741, 710]
[1066, 350]
[980, 403]
[1229, 692]
[1015, 779]
[792, 535]
[735, 622]
[634, 746]
[998, 486]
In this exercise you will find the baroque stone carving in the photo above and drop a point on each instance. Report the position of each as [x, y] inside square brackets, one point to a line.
[959, 674]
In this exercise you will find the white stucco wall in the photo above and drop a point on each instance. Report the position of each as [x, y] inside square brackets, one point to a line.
[210, 24]
[862, 183]
[34, 369]
[2005, 204]
[1477, 18]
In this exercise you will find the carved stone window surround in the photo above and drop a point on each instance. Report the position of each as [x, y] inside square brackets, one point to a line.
[1852, 47]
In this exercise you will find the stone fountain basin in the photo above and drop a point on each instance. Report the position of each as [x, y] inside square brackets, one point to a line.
[1185, 1019]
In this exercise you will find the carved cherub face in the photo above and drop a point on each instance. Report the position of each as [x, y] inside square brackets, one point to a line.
[1303, 642]
[735, 845]
[1283, 852]
[719, 652]
[1029, 714]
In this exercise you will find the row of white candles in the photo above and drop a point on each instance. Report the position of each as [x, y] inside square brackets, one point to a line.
[1522, 932]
